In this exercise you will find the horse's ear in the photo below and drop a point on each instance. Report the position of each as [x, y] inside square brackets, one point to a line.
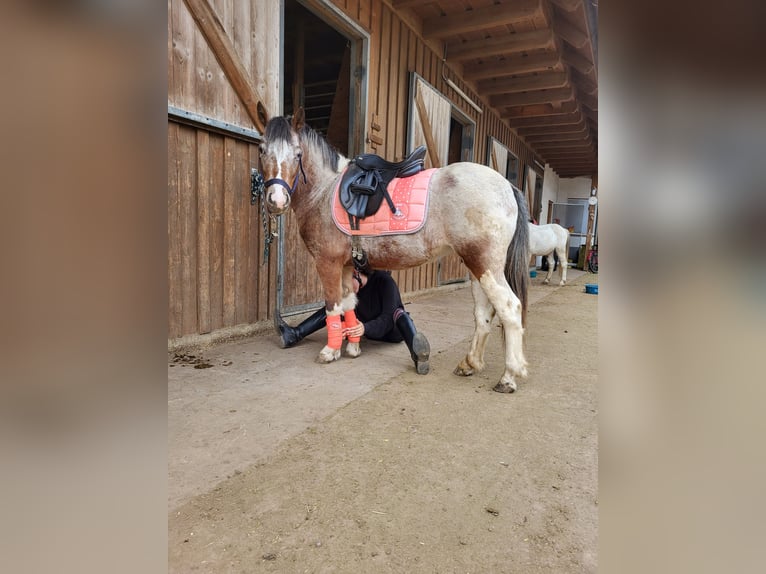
[299, 119]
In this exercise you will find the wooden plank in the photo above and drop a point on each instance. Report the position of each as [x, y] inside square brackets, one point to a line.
[514, 65]
[188, 229]
[401, 93]
[569, 32]
[216, 231]
[242, 204]
[174, 245]
[229, 235]
[509, 85]
[532, 98]
[203, 231]
[553, 130]
[541, 121]
[252, 224]
[480, 18]
[392, 87]
[500, 45]
[215, 34]
[539, 110]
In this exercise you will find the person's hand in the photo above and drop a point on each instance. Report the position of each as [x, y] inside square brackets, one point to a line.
[355, 331]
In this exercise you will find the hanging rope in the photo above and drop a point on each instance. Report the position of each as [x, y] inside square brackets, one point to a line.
[257, 189]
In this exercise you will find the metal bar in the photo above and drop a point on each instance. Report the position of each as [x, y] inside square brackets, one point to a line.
[198, 120]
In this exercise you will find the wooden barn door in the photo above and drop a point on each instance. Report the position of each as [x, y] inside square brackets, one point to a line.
[429, 125]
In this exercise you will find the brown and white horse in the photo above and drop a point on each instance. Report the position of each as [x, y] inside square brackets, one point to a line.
[472, 210]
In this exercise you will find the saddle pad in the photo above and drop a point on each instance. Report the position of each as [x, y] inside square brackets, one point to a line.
[410, 196]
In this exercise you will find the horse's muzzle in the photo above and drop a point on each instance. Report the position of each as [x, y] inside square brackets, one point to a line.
[277, 200]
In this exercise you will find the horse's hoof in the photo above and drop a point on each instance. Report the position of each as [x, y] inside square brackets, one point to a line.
[328, 355]
[546, 282]
[463, 371]
[503, 387]
[353, 350]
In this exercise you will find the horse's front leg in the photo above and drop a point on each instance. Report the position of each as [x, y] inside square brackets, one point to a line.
[337, 299]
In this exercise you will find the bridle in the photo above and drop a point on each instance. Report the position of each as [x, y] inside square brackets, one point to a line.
[283, 183]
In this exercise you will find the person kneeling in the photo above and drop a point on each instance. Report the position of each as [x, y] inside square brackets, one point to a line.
[380, 314]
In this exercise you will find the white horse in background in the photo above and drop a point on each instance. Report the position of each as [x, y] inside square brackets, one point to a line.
[544, 240]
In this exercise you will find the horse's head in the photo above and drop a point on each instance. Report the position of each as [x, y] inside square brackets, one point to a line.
[281, 161]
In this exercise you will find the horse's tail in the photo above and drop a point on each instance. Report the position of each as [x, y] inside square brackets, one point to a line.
[517, 259]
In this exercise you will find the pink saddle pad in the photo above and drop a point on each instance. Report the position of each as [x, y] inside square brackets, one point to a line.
[410, 196]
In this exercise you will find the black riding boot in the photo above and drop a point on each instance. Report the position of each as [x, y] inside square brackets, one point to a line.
[291, 335]
[416, 343]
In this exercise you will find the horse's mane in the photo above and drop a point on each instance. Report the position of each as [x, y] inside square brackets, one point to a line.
[330, 156]
[280, 128]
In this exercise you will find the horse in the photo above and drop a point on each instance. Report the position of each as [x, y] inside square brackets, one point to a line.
[471, 210]
[545, 240]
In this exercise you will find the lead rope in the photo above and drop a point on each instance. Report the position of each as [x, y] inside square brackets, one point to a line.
[257, 189]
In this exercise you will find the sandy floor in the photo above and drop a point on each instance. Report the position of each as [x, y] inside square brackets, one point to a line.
[278, 464]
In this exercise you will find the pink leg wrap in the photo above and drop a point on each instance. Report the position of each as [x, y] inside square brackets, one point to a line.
[334, 332]
[351, 322]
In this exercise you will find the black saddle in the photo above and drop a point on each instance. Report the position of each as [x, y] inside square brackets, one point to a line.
[364, 184]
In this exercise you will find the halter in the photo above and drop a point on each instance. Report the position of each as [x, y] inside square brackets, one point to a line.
[283, 183]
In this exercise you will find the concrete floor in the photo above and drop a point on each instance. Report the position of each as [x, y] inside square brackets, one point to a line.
[255, 395]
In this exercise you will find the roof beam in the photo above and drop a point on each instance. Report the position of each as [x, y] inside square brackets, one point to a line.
[560, 129]
[578, 62]
[474, 20]
[559, 137]
[538, 97]
[539, 110]
[569, 32]
[567, 5]
[513, 44]
[553, 120]
[510, 66]
[543, 81]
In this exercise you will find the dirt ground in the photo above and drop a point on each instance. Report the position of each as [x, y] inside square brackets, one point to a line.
[431, 474]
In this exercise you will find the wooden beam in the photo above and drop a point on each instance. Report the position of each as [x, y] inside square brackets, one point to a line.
[543, 81]
[539, 110]
[569, 32]
[500, 45]
[589, 101]
[406, 3]
[544, 130]
[223, 50]
[567, 5]
[510, 66]
[539, 121]
[474, 20]
[538, 97]
[578, 62]
[561, 137]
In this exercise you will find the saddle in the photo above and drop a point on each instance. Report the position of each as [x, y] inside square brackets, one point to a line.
[364, 184]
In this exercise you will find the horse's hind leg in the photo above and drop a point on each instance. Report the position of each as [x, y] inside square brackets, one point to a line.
[483, 313]
[508, 308]
[563, 263]
[550, 260]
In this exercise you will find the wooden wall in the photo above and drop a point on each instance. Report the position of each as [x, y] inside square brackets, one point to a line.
[216, 279]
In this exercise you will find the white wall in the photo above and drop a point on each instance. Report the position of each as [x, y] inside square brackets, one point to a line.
[573, 187]
[550, 191]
